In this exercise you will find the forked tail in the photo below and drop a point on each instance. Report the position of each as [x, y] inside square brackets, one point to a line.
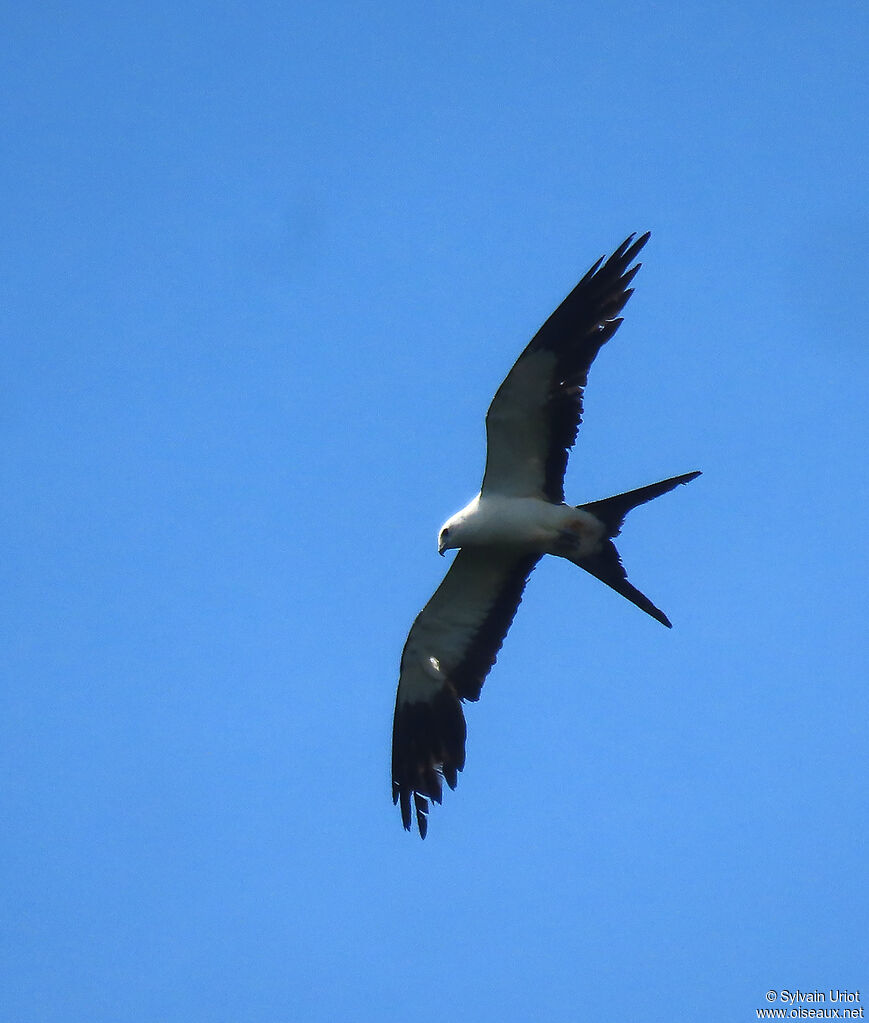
[606, 564]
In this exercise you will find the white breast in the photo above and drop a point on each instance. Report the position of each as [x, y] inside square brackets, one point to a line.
[520, 522]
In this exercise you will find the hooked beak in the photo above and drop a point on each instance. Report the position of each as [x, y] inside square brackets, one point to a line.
[441, 549]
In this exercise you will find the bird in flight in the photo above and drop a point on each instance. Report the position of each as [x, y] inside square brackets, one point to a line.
[518, 516]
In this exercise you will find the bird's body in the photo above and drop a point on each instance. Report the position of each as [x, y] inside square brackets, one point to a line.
[518, 517]
[529, 524]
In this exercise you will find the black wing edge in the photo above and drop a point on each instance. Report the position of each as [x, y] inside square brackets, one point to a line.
[428, 737]
[575, 333]
[428, 745]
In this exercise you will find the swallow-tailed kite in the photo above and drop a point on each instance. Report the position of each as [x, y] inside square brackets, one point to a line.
[518, 516]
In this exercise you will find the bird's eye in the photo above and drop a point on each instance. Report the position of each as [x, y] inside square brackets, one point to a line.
[445, 534]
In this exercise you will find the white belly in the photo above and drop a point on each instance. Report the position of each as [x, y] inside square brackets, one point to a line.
[529, 523]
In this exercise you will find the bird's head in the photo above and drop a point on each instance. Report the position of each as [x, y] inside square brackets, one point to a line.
[447, 540]
[459, 528]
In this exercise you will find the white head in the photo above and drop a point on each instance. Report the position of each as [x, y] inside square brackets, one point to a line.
[458, 528]
[448, 536]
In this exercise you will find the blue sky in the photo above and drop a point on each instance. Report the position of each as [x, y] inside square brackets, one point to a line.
[263, 269]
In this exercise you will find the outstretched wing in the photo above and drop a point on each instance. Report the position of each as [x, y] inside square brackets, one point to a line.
[451, 647]
[532, 422]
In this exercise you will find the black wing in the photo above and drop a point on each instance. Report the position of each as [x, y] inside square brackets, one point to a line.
[451, 647]
[532, 422]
